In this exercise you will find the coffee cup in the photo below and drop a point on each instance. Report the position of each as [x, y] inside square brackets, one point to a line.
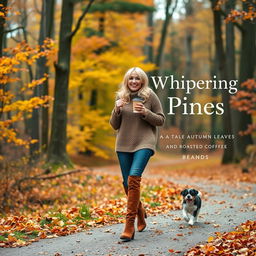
[135, 101]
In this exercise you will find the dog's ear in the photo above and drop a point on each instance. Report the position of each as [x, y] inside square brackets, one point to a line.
[184, 192]
[194, 192]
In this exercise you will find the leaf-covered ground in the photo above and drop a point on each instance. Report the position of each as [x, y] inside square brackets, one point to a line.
[80, 201]
[77, 202]
[241, 241]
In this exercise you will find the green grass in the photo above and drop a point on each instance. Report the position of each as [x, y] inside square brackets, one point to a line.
[45, 222]
[3, 238]
[61, 217]
[21, 235]
[113, 215]
[155, 204]
[85, 212]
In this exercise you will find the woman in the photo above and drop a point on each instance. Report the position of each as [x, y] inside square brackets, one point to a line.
[136, 140]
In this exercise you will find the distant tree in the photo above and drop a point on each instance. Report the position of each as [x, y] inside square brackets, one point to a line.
[246, 71]
[228, 154]
[169, 10]
[3, 12]
[122, 7]
[185, 120]
[40, 117]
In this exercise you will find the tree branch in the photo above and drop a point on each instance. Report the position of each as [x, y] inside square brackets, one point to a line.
[174, 7]
[38, 177]
[36, 8]
[14, 29]
[235, 23]
[78, 24]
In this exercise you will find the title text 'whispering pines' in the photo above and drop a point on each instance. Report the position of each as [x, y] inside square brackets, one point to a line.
[194, 108]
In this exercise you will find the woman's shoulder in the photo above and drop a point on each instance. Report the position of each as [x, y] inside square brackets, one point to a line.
[153, 95]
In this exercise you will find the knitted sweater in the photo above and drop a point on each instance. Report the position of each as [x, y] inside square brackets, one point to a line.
[136, 131]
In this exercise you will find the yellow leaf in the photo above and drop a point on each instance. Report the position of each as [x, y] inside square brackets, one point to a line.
[210, 239]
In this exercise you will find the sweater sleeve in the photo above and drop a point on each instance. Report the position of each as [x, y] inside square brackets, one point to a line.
[155, 116]
[115, 119]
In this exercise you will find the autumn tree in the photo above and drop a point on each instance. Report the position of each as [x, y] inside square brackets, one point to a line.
[40, 117]
[246, 71]
[228, 154]
[9, 68]
[246, 64]
[99, 62]
[189, 30]
[57, 148]
[120, 7]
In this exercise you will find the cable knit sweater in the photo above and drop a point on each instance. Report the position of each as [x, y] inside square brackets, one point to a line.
[137, 131]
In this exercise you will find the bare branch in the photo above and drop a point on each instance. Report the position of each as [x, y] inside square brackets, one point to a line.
[174, 7]
[14, 29]
[51, 177]
[36, 7]
[86, 10]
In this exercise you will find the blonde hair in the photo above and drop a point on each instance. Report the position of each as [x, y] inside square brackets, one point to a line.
[144, 92]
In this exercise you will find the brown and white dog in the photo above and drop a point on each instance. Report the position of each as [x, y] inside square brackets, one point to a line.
[191, 205]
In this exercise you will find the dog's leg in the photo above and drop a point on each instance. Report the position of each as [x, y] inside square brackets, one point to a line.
[194, 217]
[191, 221]
[185, 216]
[197, 213]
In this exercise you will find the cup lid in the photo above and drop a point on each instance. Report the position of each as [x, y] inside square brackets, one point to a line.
[137, 99]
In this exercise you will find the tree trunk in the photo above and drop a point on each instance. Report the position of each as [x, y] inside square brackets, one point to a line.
[149, 39]
[168, 16]
[231, 64]
[57, 154]
[57, 149]
[247, 69]
[228, 152]
[214, 94]
[186, 120]
[40, 117]
[2, 24]
[2, 39]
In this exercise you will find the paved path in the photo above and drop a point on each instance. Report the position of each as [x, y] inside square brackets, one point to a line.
[223, 208]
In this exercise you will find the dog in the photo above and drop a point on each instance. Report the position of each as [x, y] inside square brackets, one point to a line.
[191, 205]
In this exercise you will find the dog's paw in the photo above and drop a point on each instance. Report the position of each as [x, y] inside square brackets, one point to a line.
[191, 222]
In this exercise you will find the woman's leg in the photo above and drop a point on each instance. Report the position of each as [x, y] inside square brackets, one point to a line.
[125, 161]
[134, 206]
[140, 160]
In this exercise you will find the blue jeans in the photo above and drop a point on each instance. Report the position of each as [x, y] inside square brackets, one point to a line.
[133, 164]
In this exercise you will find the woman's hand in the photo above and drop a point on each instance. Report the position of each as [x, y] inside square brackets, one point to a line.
[140, 108]
[119, 104]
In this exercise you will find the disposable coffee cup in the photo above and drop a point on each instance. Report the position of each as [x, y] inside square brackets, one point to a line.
[135, 101]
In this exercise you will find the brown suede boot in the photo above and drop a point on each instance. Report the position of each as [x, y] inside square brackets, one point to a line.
[132, 207]
[141, 223]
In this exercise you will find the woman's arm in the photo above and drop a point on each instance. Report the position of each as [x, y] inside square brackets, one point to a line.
[116, 117]
[155, 116]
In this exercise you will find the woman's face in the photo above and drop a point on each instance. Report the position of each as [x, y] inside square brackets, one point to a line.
[134, 82]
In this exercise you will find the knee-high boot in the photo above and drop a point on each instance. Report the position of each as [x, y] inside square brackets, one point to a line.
[142, 215]
[132, 207]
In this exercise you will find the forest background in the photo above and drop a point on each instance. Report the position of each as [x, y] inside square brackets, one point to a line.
[62, 62]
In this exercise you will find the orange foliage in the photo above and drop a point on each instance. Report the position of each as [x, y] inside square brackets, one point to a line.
[245, 100]
[236, 15]
[11, 109]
